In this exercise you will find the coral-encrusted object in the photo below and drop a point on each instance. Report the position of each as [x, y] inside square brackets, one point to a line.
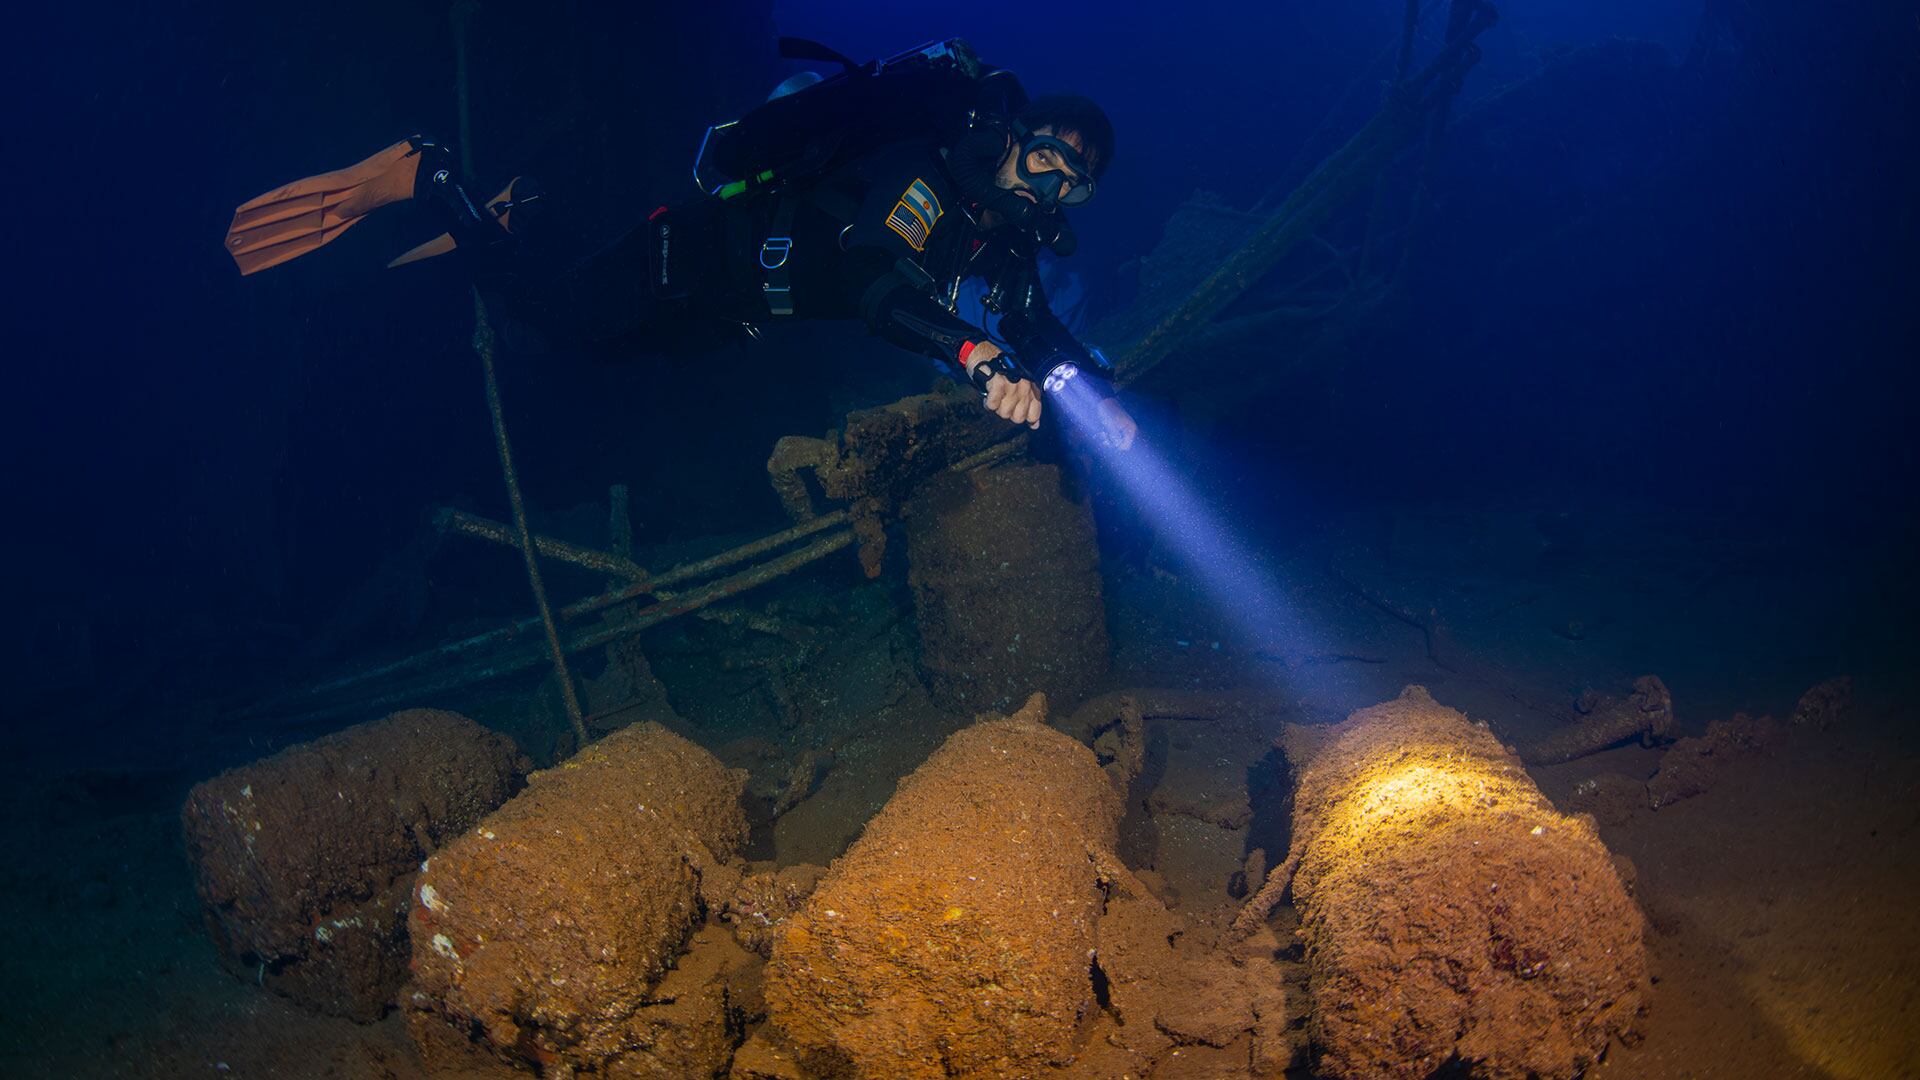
[955, 937]
[1449, 910]
[543, 938]
[304, 860]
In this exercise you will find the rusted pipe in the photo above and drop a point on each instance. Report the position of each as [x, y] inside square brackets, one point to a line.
[654, 586]
[515, 662]
[460, 521]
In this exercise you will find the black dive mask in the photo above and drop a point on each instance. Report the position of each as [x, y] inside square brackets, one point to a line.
[1054, 170]
[974, 162]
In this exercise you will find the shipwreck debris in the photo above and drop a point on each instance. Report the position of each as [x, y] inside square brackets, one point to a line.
[611, 563]
[953, 937]
[983, 926]
[1826, 704]
[765, 899]
[505, 650]
[550, 935]
[1692, 766]
[303, 861]
[1005, 571]
[1447, 909]
[1646, 715]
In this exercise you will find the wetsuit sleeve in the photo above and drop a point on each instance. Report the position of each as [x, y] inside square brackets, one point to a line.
[895, 304]
[905, 208]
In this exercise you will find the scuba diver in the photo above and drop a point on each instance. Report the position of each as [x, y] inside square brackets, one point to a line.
[875, 193]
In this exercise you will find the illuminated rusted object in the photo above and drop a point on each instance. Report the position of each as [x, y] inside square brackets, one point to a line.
[543, 937]
[1447, 908]
[955, 937]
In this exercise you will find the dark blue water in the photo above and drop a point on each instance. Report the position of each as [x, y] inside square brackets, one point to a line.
[1689, 283]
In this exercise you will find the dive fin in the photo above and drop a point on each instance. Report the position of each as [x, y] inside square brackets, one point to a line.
[500, 207]
[432, 249]
[290, 221]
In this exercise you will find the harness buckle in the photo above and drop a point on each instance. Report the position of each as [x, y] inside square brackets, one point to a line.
[774, 252]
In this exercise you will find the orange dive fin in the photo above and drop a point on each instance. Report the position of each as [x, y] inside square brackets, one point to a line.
[500, 207]
[290, 221]
[433, 248]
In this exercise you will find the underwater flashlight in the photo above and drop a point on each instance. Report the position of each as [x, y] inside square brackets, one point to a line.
[1059, 377]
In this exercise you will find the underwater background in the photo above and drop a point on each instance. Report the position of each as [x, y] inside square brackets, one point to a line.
[1640, 399]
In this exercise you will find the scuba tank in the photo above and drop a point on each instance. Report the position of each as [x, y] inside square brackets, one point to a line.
[940, 91]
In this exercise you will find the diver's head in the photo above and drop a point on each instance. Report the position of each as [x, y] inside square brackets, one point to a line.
[1049, 155]
[1061, 146]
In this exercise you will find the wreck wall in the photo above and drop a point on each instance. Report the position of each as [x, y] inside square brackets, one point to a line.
[1448, 909]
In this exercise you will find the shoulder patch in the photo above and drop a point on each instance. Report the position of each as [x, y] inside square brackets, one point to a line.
[915, 215]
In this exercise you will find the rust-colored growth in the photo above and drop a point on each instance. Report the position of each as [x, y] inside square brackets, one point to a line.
[885, 452]
[304, 860]
[1692, 766]
[1006, 587]
[1448, 909]
[954, 938]
[541, 936]
[879, 459]
[1826, 704]
[762, 902]
[1646, 715]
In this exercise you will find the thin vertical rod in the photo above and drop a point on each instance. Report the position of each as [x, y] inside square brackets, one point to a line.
[483, 342]
[463, 13]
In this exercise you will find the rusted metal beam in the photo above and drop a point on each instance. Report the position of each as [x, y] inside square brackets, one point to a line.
[460, 521]
[1341, 176]
[524, 659]
[657, 586]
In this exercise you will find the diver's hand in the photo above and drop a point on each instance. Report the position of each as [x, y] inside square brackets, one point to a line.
[1117, 427]
[1018, 402]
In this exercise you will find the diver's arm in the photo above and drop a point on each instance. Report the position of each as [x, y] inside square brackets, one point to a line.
[897, 308]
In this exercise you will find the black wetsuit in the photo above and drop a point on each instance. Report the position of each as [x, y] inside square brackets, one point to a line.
[886, 239]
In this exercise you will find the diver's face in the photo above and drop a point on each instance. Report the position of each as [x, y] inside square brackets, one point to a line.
[1044, 159]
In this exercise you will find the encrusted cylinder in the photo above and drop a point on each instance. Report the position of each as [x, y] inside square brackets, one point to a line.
[1448, 909]
[1646, 714]
[956, 935]
[1005, 572]
[541, 937]
[304, 860]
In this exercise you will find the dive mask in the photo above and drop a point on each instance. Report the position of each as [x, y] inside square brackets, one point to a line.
[1057, 173]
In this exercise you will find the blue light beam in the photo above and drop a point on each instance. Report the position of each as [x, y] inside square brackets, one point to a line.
[1227, 573]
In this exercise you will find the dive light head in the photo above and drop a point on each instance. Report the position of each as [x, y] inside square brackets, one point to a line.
[1052, 375]
[1057, 379]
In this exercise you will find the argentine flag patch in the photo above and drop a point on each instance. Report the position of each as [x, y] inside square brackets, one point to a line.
[915, 215]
